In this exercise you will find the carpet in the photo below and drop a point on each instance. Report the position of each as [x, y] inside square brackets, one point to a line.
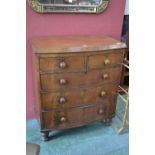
[93, 139]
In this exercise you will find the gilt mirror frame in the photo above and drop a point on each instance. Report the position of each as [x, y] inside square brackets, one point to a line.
[68, 8]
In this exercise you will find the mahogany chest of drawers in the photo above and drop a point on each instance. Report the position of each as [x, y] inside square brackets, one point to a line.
[76, 80]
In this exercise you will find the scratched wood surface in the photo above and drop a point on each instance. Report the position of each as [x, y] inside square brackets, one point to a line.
[65, 44]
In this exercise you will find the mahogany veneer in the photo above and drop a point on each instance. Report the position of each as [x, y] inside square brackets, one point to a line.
[76, 80]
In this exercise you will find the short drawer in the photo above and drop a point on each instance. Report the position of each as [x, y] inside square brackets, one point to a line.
[76, 97]
[105, 60]
[62, 64]
[74, 117]
[61, 81]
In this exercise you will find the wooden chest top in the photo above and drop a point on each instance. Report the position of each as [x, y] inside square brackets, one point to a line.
[67, 44]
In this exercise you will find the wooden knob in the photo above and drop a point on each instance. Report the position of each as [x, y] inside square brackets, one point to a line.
[62, 100]
[63, 119]
[103, 93]
[63, 65]
[106, 61]
[100, 111]
[105, 76]
[63, 81]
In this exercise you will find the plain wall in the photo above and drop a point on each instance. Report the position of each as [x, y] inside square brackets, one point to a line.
[107, 23]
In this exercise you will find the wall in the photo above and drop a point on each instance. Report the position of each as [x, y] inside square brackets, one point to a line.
[108, 23]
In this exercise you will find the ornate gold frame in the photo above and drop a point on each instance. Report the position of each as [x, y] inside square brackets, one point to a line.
[49, 8]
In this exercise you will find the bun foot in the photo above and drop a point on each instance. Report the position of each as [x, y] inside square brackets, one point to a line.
[107, 121]
[45, 136]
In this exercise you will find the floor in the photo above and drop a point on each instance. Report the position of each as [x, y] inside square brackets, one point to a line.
[94, 139]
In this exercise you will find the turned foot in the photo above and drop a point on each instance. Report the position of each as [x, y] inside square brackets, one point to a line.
[44, 135]
[107, 121]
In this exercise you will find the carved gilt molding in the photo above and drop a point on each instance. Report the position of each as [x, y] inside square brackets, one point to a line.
[36, 6]
[102, 7]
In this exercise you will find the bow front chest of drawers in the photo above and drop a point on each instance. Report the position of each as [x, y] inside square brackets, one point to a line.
[76, 80]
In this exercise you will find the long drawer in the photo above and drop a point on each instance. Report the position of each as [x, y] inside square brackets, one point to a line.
[74, 117]
[76, 97]
[61, 81]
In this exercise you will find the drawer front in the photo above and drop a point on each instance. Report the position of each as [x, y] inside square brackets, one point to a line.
[73, 117]
[62, 64]
[104, 60]
[60, 81]
[103, 76]
[76, 97]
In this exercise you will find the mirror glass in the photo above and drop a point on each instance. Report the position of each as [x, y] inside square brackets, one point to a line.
[72, 2]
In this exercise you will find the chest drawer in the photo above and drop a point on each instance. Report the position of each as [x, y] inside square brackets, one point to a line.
[61, 81]
[104, 60]
[74, 116]
[76, 97]
[62, 64]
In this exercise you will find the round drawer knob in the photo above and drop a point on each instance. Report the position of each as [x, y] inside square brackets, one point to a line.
[106, 61]
[63, 65]
[105, 76]
[63, 119]
[63, 81]
[103, 93]
[100, 111]
[62, 100]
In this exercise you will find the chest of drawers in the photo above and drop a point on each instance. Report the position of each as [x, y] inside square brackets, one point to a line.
[76, 80]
